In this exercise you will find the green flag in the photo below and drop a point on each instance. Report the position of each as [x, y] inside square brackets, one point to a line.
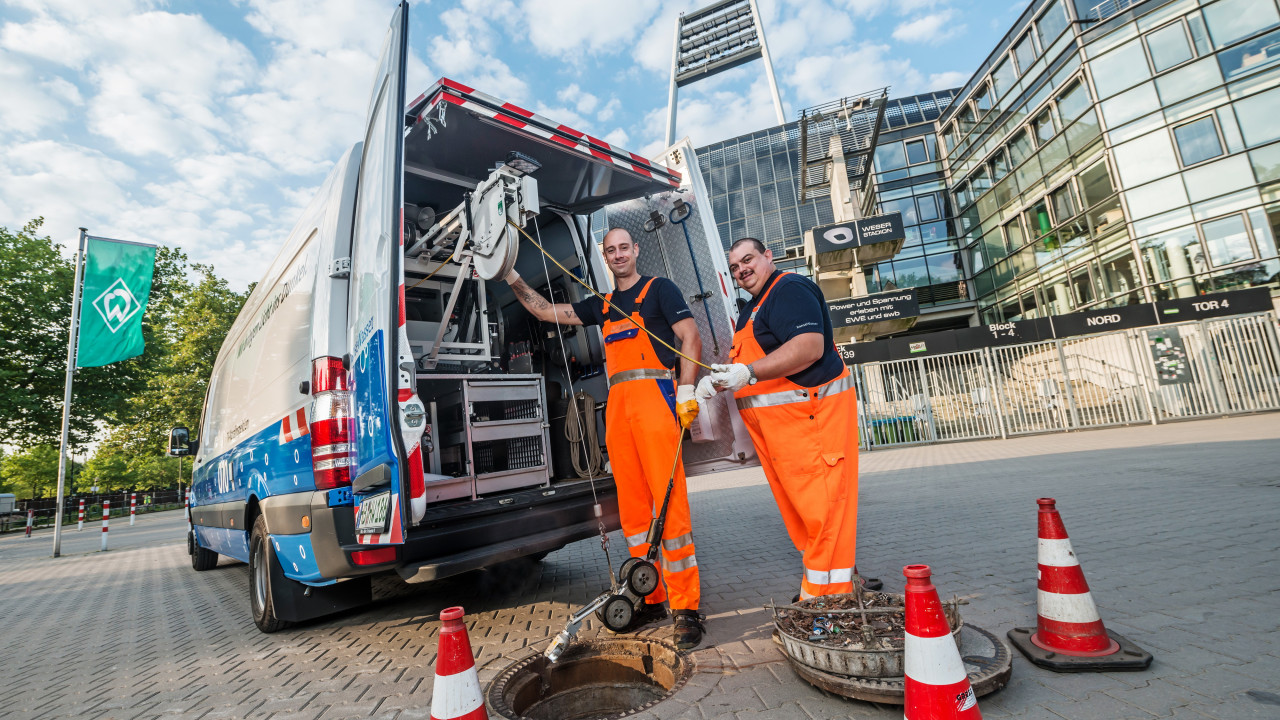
[117, 284]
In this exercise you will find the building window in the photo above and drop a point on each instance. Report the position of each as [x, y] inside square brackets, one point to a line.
[1020, 147]
[1042, 126]
[1064, 203]
[982, 100]
[1227, 240]
[1198, 141]
[1258, 117]
[928, 205]
[1003, 77]
[916, 152]
[1051, 24]
[999, 165]
[1253, 55]
[890, 157]
[1025, 52]
[962, 195]
[965, 119]
[1169, 47]
[1119, 69]
[1232, 20]
[1073, 102]
[949, 137]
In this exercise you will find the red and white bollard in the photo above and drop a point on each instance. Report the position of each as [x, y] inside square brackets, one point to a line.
[106, 517]
[31, 520]
[186, 507]
[80, 520]
[133, 506]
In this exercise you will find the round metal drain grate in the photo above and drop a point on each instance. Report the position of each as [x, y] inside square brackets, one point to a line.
[595, 679]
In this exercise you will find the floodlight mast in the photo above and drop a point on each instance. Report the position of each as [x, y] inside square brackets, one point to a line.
[718, 37]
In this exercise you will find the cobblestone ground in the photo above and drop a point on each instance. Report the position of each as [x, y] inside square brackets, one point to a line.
[1176, 528]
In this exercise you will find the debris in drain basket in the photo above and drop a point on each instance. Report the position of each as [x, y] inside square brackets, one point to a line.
[839, 621]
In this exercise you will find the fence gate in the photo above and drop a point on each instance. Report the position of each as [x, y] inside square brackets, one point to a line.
[893, 404]
[1105, 385]
[1246, 351]
[1182, 371]
[961, 400]
[1029, 388]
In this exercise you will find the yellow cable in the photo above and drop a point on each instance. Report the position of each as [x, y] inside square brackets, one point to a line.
[433, 272]
[605, 299]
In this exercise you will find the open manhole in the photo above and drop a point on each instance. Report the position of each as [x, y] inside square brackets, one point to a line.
[594, 679]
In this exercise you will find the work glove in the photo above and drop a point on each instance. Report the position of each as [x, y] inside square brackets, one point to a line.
[686, 405]
[706, 390]
[512, 277]
[730, 377]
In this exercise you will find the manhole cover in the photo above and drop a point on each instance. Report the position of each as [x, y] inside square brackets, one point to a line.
[594, 679]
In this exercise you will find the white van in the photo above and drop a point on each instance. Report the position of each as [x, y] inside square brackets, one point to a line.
[378, 405]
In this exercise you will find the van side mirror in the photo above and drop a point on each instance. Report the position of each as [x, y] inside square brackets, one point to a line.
[180, 443]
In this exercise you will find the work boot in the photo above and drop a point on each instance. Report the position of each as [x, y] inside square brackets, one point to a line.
[688, 629]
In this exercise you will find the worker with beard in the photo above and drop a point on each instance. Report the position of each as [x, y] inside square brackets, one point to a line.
[645, 414]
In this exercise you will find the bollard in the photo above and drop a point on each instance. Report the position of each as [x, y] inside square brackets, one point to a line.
[106, 515]
[80, 520]
[133, 506]
[186, 508]
[31, 519]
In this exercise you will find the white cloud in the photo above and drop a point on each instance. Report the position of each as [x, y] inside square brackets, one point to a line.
[32, 103]
[576, 27]
[931, 28]
[583, 101]
[707, 117]
[822, 78]
[946, 80]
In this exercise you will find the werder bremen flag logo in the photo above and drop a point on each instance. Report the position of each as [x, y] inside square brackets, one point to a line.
[117, 284]
[116, 305]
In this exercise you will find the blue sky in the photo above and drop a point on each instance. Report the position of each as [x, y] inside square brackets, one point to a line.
[208, 125]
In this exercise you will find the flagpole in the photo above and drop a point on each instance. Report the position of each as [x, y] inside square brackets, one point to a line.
[66, 396]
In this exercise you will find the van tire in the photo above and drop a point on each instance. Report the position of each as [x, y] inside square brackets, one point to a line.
[261, 602]
[201, 558]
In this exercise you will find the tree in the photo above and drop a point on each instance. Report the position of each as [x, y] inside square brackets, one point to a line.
[33, 472]
[35, 314]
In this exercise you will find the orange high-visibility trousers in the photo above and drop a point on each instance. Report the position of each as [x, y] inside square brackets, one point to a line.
[640, 432]
[809, 453]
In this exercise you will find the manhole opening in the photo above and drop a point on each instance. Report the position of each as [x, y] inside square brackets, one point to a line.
[595, 679]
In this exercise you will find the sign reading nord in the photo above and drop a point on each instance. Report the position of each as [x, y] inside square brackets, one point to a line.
[842, 236]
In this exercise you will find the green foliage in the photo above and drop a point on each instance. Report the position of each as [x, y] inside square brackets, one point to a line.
[189, 312]
[32, 473]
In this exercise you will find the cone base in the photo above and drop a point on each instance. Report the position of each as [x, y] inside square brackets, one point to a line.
[1112, 647]
[1127, 656]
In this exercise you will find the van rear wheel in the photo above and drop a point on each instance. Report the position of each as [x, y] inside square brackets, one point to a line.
[201, 559]
[260, 596]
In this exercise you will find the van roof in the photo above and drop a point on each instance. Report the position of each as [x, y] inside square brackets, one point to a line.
[579, 173]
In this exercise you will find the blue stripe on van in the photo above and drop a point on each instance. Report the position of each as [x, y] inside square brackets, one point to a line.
[259, 466]
[297, 559]
[224, 541]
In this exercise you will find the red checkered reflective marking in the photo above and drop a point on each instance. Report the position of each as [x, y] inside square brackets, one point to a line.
[536, 124]
[294, 426]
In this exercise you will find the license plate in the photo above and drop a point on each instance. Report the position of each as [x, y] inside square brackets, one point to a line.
[373, 513]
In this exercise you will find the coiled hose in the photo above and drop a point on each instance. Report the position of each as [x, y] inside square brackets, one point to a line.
[580, 430]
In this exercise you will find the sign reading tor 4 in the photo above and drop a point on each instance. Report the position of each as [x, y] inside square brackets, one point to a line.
[842, 236]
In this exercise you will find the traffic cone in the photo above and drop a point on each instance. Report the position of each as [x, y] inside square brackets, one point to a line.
[937, 686]
[456, 692]
[1069, 635]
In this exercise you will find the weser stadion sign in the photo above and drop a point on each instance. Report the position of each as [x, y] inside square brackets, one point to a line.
[868, 231]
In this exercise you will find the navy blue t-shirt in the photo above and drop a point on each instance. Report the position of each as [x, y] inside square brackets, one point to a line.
[796, 306]
[663, 307]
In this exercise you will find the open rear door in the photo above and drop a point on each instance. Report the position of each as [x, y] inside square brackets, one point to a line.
[677, 235]
[374, 302]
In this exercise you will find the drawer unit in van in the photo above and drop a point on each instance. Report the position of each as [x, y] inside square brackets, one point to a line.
[491, 433]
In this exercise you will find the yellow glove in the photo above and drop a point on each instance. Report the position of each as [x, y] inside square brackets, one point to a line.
[686, 405]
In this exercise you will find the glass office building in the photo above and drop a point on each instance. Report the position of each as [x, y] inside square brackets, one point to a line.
[1103, 155]
[1119, 154]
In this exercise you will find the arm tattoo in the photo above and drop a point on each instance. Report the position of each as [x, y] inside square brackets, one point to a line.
[529, 295]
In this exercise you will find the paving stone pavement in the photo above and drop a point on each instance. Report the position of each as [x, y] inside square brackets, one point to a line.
[1175, 526]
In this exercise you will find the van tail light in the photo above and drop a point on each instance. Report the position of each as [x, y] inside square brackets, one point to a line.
[373, 557]
[332, 453]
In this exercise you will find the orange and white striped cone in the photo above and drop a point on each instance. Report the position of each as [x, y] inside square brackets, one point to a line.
[937, 686]
[456, 694]
[1069, 635]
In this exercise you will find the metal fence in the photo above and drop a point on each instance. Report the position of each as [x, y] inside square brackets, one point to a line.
[1145, 375]
[45, 509]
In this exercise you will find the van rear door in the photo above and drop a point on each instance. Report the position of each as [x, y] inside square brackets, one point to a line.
[374, 301]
